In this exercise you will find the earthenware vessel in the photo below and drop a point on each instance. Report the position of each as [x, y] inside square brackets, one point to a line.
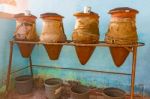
[25, 31]
[122, 31]
[52, 32]
[86, 32]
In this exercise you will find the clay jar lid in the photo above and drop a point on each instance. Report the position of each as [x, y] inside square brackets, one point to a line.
[124, 12]
[23, 18]
[91, 14]
[51, 16]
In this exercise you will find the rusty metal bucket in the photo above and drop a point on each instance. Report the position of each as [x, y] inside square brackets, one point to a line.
[86, 32]
[122, 31]
[114, 93]
[24, 84]
[79, 92]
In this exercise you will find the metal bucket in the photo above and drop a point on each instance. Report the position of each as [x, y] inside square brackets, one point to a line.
[113, 93]
[79, 92]
[53, 87]
[24, 84]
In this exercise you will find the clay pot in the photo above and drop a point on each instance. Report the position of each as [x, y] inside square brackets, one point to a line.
[114, 93]
[52, 32]
[25, 31]
[86, 32]
[79, 92]
[122, 31]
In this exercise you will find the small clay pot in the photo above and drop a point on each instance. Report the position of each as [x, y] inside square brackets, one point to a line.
[79, 92]
[122, 31]
[114, 93]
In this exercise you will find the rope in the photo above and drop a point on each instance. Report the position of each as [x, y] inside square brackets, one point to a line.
[86, 30]
[122, 31]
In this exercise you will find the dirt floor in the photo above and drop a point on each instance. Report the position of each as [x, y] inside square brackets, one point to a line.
[40, 94]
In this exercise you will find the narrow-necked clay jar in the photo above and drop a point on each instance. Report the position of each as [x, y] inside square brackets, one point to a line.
[122, 30]
[52, 32]
[86, 32]
[25, 31]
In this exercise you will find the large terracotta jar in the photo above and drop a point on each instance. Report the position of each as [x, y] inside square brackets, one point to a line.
[122, 30]
[25, 31]
[86, 32]
[52, 32]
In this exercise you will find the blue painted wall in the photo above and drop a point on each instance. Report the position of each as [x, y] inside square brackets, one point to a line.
[101, 59]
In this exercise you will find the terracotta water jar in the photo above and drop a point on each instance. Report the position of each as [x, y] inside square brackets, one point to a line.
[25, 31]
[86, 32]
[122, 31]
[52, 32]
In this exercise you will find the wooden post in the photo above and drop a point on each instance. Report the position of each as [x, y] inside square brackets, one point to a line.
[133, 71]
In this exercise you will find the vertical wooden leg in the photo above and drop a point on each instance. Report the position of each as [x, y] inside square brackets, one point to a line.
[9, 66]
[30, 60]
[133, 71]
